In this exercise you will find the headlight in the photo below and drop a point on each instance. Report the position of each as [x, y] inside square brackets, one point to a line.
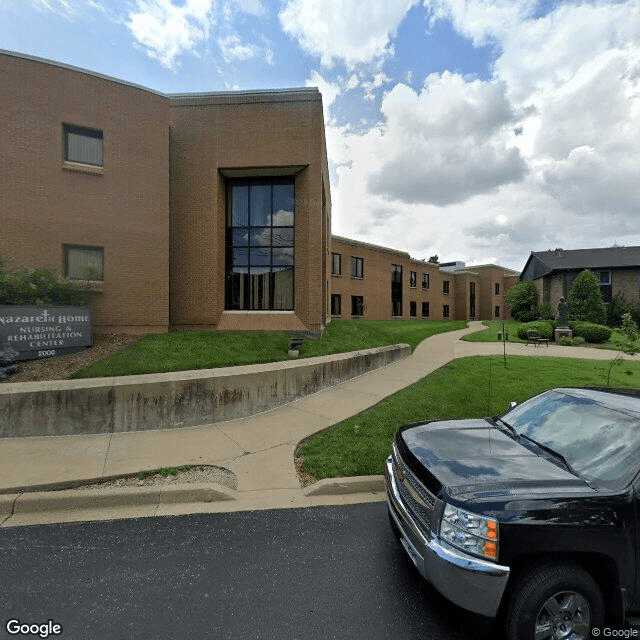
[470, 532]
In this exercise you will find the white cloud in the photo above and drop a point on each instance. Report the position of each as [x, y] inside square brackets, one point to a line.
[233, 48]
[328, 90]
[448, 143]
[544, 154]
[344, 30]
[166, 30]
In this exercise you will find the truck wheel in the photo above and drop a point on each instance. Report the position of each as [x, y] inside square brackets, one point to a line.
[553, 601]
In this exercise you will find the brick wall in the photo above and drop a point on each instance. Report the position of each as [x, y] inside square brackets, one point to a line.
[218, 137]
[122, 208]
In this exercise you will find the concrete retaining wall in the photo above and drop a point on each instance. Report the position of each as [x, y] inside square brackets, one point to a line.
[179, 399]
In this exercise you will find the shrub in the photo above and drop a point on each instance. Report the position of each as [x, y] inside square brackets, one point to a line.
[523, 300]
[590, 332]
[540, 326]
[37, 287]
[616, 309]
[585, 300]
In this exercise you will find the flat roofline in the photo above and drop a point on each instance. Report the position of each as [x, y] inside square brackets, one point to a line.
[247, 95]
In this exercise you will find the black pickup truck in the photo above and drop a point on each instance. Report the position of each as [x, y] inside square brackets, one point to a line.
[530, 518]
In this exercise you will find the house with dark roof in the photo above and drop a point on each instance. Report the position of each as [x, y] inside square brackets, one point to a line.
[553, 272]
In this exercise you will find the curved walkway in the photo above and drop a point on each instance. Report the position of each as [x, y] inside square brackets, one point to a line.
[258, 449]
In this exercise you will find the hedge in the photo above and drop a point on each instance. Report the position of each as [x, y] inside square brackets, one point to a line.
[545, 329]
[590, 332]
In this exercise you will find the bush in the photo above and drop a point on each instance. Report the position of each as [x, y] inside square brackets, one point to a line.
[590, 332]
[616, 309]
[523, 301]
[571, 342]
[584, 299]
[541, 326]
[37, 287]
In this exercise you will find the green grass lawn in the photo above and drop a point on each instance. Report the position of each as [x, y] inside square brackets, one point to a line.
[493, 328]
[464, 388]
[184, 350]
[511, 327]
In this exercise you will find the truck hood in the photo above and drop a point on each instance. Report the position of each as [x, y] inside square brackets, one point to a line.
[474, 459]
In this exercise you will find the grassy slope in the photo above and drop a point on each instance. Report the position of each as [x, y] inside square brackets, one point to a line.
[183, 350]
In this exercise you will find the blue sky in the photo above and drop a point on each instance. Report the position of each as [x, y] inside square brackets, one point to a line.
[477, 130]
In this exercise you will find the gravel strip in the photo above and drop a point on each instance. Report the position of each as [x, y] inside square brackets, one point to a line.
[199, 474]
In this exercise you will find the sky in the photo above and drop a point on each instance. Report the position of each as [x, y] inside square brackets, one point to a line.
[474, 130]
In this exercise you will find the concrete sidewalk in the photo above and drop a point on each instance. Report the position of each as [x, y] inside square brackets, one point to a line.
[258, 449]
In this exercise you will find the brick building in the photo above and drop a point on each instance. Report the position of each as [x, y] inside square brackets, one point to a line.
[198, 210]
[378, 283]
[183, 211]
[553, 272]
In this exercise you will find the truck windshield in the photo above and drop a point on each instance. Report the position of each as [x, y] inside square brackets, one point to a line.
[597, 433]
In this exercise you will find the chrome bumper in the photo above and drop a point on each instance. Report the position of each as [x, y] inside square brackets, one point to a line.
[469, 582]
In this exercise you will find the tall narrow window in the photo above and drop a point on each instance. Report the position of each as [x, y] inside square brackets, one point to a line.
[445, 311]
[396, 289]
[425, 309]
[336, 304]
[357, 267]
[413, 279]
[336, 264]
[260, 243]
[472, 299]
[445, 286]
[425, 280]
[82, 145]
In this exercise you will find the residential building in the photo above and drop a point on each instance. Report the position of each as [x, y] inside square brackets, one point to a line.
[553, 272]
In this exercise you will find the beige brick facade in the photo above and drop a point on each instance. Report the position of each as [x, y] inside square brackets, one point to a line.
[431, 293]
[155, 206]
[122, 207]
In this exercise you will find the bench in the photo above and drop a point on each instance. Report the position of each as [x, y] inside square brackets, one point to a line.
[533, 337]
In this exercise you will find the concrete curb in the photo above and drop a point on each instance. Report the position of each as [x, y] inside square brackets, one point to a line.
[345, 486]
[72, 505]
[83, 499]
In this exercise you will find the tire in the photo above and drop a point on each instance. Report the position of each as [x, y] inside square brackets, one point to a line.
[554, 601]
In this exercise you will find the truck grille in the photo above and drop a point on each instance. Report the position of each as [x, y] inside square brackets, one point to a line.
[419, 499]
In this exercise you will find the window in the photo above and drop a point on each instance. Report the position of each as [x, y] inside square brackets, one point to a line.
[357, 306]
[413, 279]
[604, 278]
[497, 289]
[336, 304]
[445, 286]
[83, 263]
[425, 280]
[472, 299]
[396, 289]
[357, 268]
[413, 309]
[445, 311]
[497, 314]
[82, 145]
[260, 243]
[425, 309]
[336, 264]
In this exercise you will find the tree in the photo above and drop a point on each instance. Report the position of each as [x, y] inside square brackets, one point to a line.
[434, 259]
[585, 300]
[523, 300]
